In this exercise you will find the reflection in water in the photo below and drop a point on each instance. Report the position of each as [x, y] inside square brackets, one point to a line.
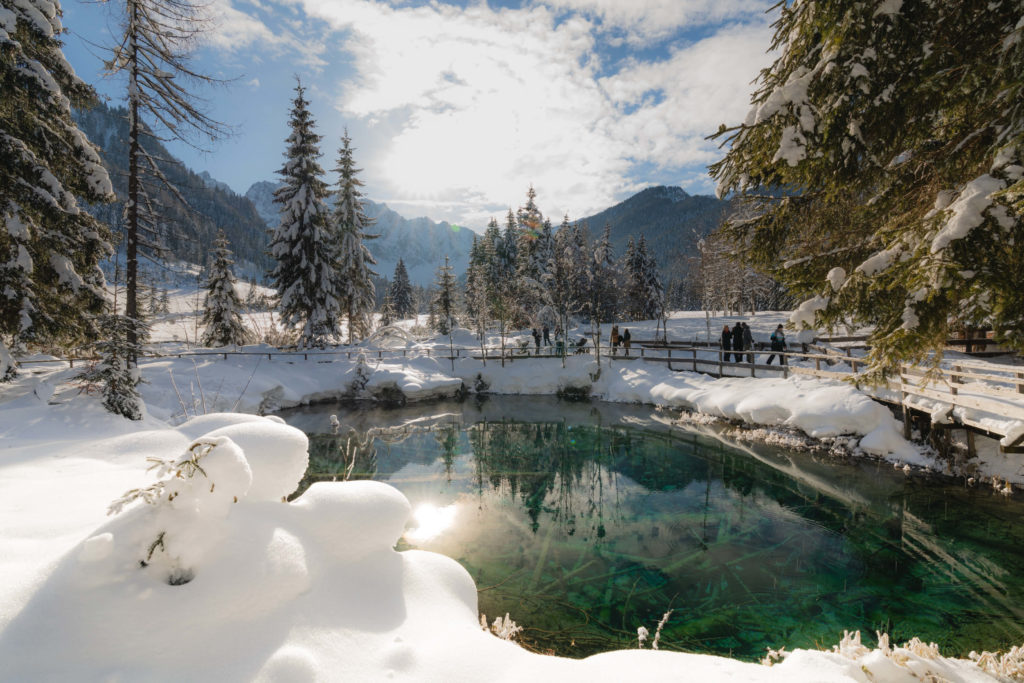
[584, 528]
[430, 521]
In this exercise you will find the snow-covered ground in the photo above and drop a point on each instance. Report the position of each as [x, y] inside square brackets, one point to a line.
[238, 585]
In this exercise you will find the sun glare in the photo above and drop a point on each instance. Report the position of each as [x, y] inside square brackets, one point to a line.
[431, 521]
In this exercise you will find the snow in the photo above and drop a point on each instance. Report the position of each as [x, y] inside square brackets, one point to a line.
[243, 586]
[805, 312]
[966, 213]
[836, 278]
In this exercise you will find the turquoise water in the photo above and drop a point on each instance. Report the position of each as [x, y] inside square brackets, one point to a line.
[584, 522]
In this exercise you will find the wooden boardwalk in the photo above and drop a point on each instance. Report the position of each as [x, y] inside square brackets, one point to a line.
[980, 396]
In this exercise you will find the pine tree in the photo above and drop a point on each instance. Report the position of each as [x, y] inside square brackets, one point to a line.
[897, 131]
[443, 304]
[477, 308]
[652, 292]
[305, 274]
[154, 53]
[354, 259]
[401, 292]
[631, 265]
[115, 371]
[387, 311]
[221, 307]
[50, 284]
[561, 268]
[602, 286]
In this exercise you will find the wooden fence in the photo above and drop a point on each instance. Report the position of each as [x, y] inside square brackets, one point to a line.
[969, 384]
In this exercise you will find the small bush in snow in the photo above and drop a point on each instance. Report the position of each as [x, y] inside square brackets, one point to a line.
[193, 494]
[506, 628]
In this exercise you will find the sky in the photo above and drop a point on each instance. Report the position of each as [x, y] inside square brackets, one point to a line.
[456, 107]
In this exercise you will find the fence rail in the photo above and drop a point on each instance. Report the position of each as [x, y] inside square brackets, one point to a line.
[968, 383]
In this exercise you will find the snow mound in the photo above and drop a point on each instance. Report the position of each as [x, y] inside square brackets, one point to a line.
[276, 454]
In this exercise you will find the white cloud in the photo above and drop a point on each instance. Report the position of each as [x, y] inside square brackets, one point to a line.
[463, 109]
[492, 101]
[653, 19]
[675, 103]
[235, 30]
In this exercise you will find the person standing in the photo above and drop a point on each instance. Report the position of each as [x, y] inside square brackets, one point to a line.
[536, 338]
[614, 338]
[625, 340]
[547, 335]
[737, 341]
[748, 342]
[778, 345]
[726, 343]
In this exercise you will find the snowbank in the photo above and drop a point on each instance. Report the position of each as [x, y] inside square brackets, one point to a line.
[198, 579]
[209, 576]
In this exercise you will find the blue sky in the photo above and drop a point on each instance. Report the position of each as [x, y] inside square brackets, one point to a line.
[456, 107]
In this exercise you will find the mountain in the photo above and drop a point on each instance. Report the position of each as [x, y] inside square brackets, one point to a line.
[670, 220]
[211, 204]
[420, 242]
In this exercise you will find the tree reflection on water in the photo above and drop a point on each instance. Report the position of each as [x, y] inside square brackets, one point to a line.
[584, 528]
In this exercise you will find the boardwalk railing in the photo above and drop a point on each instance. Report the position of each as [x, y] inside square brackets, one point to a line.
[969, 385]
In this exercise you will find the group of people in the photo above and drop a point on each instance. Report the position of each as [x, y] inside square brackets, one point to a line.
[739, 338]
[617, 339]
[546, 336]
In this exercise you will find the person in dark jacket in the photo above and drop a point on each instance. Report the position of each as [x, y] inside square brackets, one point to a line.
[547, 336]
[625, 339]
[536, 338]
[748, 342]
[726, 343]
[779, 345]
[737, 341]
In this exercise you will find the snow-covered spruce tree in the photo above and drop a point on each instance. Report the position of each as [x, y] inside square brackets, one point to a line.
[560, 273]
[116, 371]
[50, 282]
[443, 304]
[652, 291]
[154, 53]
[305, 274]
[400, 292]
[897, 131]
[354, 259]
[476, 296]
[601, 301]
[387, 311]
[222, 307]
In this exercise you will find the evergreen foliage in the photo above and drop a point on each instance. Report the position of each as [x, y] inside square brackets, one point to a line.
[644, 295]
[354, 259]
[477, 287]
[50, 283]
[897, 130]
[400, 292]
[305, 274]
[444, 303]
[387, 311]
[221, 307]
[116, 370]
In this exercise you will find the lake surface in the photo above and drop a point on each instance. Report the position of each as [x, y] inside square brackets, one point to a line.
[585, 521]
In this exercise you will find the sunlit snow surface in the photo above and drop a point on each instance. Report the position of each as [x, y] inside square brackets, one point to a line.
[313, 589]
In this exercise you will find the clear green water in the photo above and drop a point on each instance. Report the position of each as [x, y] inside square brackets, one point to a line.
[584, 522]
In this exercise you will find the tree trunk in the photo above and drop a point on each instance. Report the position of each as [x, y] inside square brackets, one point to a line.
[131, 308]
